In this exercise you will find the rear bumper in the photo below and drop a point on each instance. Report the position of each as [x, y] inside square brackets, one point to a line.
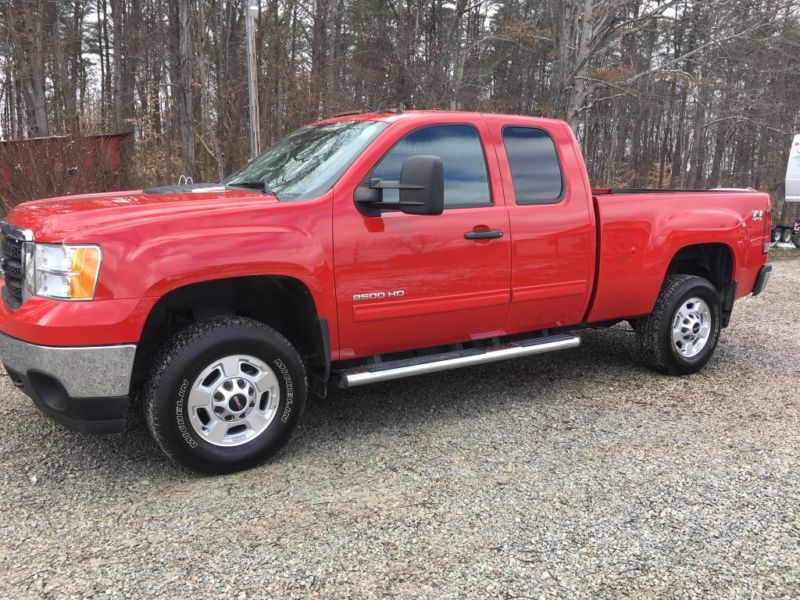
[762, 279]
[85, 388]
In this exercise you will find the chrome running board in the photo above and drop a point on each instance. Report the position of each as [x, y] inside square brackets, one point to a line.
[420, 365]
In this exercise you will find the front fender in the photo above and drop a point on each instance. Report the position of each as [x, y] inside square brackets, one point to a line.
[165, 264]
[288, 239]
[152, 258]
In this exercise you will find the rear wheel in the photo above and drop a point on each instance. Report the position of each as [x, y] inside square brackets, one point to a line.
[786, 235]
[225, 395]
[776, 235]
[682, 332]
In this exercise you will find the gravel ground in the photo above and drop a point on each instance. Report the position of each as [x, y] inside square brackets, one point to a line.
[574, 474]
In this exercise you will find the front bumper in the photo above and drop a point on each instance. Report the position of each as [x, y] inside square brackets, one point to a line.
[85, 388]
[762, 279]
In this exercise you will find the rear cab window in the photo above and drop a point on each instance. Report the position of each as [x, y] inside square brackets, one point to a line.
[535, 167]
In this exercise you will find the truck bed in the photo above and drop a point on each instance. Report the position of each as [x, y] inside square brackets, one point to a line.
[640, 231]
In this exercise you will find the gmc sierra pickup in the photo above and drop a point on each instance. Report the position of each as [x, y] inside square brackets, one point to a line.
[359, 249]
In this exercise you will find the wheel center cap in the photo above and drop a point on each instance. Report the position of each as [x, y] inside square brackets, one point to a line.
[237, 403]
[696, 328]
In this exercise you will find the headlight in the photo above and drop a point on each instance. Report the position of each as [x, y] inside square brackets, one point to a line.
[61, 272]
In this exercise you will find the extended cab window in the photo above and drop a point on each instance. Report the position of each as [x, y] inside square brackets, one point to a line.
[534, 165]
[466, 182]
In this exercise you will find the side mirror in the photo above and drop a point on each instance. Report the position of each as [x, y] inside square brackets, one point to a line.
[421, 188]
[422, 185]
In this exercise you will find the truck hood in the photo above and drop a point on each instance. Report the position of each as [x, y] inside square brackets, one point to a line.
[78, 218]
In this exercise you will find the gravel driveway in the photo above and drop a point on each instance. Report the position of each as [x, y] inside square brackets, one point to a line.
[573, 474]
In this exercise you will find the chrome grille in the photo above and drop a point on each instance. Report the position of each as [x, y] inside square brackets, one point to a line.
[13, 259]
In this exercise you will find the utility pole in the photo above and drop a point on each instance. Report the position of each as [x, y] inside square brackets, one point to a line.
[252, 83]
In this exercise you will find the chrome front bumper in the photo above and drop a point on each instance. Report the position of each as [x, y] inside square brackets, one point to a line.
[84, 388]
[83, 371]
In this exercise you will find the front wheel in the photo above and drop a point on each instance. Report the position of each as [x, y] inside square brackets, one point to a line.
[682, 332]
[225, 394]
[786, 235]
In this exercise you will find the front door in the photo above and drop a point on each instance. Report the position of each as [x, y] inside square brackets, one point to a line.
[412, 281]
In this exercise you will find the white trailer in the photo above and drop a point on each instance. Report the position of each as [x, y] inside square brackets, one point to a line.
[793, 172]
[789, 233]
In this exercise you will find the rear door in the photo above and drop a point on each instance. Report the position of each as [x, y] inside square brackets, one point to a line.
[552, 223]
[412, 281]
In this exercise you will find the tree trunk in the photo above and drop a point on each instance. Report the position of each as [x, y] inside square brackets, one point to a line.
[33, 66]
[186, 91]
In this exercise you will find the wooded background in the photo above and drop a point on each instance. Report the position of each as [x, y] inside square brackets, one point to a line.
[667, 93]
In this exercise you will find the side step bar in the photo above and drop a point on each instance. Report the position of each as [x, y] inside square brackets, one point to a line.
[397, 369]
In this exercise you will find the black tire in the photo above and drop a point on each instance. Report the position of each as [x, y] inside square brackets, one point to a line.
[796, 240]
[179, 364]
[776, 235]
[655, 331]
[786, 235]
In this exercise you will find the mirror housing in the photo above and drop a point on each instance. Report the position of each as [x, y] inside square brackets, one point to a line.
[421, 188]
[422, 185]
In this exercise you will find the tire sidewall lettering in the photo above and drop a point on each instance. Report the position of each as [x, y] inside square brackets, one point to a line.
[180, 407]
[289, 391]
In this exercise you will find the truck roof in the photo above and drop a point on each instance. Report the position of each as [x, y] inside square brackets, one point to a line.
[423, 115]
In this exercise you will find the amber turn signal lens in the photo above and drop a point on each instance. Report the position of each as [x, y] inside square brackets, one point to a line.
[83, 272]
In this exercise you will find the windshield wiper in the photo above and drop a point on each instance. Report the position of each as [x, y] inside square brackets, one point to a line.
[261, 186]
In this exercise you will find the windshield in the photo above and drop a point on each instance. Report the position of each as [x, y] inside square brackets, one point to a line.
[307, 162]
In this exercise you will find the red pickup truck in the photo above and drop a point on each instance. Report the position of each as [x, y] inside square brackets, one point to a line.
[359, 249]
